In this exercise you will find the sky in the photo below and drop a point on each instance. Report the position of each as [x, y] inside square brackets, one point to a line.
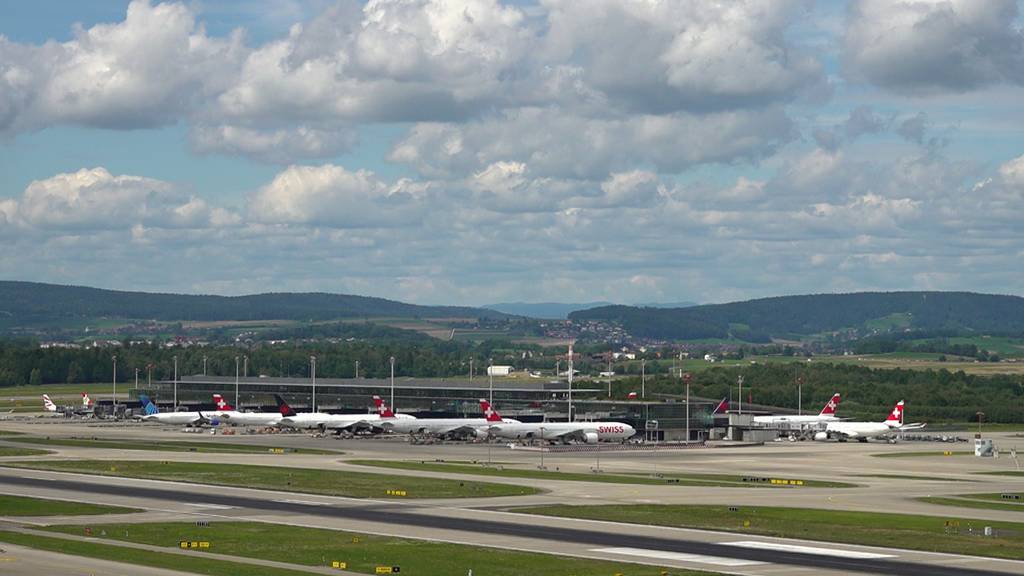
[477, 151]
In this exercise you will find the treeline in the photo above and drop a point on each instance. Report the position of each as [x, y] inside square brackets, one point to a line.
[28, 303]
[868, 394]
[818, 313]
[936, 346]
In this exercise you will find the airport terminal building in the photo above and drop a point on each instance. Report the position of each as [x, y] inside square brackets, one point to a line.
[532, 400]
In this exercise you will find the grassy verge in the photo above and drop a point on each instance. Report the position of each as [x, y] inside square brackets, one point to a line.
[196, 564]
[10, 433]
[362, 553]
[1004, 473]
[308, 480]
[913, 532]
[212, 446]
[965, 502]
[24, 506]
[923, 454]
[503, 472]
[13, 451]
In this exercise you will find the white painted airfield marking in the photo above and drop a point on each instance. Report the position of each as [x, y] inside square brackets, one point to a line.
[677, 556]
[807, 549]
[306, 502]
[210, 506]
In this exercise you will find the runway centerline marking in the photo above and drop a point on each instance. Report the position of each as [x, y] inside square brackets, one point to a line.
[677, 556]
[838, 552]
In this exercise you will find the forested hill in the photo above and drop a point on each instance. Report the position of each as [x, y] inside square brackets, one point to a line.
[26, 303]
[756, 320]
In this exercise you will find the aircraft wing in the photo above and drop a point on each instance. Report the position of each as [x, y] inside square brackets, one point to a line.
[574, 434]
[914, 426]
[453, 429]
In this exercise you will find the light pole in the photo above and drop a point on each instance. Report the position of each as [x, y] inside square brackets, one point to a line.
[392, 382]
[136, 378]
[312, 373]
[149, 375]
[609, 376]
[541, 467]
[739, 379]
[570, 382]
[175, 382]
[236, 381]
[490, 380]
[471, 370]
[113, 396]
[686, 379]
[245, 366]
[643, 378]
[799, 395]
[204, 365]
[357, 369]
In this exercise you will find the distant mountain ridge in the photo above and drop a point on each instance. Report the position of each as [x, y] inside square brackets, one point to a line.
[561, 310]
[759, 320]
[23, 303]
[544, 310]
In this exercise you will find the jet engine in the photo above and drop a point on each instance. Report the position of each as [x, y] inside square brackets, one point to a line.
[481, 433]
[590, 437]
[821, 436]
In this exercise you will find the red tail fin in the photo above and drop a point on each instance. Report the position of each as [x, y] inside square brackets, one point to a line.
[382, 408]
[722, 407]
[221, 403]
[830, 408]
[896, 416]
[283, 406]
[490, 413]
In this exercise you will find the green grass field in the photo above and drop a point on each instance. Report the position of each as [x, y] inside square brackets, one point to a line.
[362, 552]
[505, 472]
[1006, 347]
[1004, 473]
[187, 563]
[13, 451]
[10, 433]
[23, 506]
[307, 480]
[209, 447]
[868, 528]
[972, 501]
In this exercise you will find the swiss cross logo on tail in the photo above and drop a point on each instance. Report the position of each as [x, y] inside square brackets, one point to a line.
[830, 408]
[221, 403]
[896, 416]
[86, 401]
[489, 413]
[382, 408]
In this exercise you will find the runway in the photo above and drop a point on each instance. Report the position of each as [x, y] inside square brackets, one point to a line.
[883, 484]
[714, 551]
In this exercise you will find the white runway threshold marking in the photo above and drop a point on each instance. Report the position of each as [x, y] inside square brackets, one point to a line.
[808, 549]
[677, 556]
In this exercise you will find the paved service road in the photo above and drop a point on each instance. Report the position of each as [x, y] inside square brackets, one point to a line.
[691, 548]
[21, 561]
